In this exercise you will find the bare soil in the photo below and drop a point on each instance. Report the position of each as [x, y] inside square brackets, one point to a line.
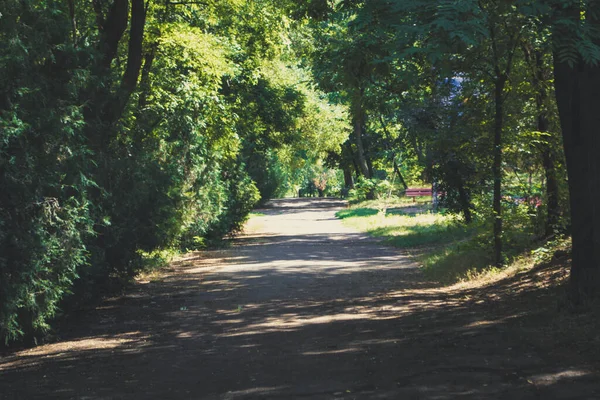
[301, 307]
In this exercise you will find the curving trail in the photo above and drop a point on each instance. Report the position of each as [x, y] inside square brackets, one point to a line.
[300, 307]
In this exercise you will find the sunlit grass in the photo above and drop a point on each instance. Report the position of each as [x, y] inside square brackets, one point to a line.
[406, 227]
[448, 250]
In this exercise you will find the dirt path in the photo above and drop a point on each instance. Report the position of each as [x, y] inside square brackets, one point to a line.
[299, 308]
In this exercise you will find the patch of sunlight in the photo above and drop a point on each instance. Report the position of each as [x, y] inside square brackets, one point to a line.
[230, 322]
[191, 256]
[289, 322]
[254, 225]
[483, 323]
[69, 348]
[379, 342]
[293, 321]
[324, 267]
[258, 391]
[486, 323]
[199, 270]
[553, 378]
[155, 275]
[330, 352]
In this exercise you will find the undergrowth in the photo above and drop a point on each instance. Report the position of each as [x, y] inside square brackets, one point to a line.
[448, 250]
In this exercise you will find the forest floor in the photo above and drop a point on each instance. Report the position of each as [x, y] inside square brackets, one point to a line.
[302, 307]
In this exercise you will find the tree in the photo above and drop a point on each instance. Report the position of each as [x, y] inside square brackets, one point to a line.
[577, 83]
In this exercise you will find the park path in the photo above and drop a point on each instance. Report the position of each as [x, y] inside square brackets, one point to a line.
[300, 307]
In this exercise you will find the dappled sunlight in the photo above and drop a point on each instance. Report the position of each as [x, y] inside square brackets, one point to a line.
[71, 348]
[555, 377]
[309, 315]
[257, 391]
[332, 352]
[288, 322]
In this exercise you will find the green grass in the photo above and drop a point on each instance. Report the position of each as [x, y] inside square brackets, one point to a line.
[255, 214]
[459, 261]
[356, 212]
[406, 227]
[448, 250]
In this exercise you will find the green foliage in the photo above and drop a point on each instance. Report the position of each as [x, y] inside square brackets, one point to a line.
[369, 188]
[128, 133]
[44, 212]
[40, 260]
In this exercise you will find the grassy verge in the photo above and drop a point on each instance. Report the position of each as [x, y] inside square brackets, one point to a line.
[448, 250]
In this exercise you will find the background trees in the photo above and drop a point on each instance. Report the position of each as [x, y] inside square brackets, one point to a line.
[498, 56]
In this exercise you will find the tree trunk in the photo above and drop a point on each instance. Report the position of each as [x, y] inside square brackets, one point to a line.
[370, 166]
[73, 20]
[356, 168]
[348, 178]
[497, 167]
[397, 170]
[359, 123]
[134, 63]
[145, 84]
[362, 160]
[112, 29]
[465, 204]
[553, 211]
[540, 76]
[577, 91]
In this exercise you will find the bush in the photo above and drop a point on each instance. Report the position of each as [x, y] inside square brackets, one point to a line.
[369, 189]
[42, 250]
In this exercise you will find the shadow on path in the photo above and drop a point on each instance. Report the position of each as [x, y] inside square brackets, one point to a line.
[327, 315]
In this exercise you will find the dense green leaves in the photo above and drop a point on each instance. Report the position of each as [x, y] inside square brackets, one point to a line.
[128, 127]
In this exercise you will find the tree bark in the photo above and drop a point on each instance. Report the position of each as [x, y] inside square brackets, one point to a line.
[540, 75]
[356, 168]
[576, 93]
[73, 20]
[134, 50]
[465, 204]
[145, 84]
[553, 210]
[359, 123]
[134, 62]
[99, 99]
[112, 29]
[577, 90]
[497, 167]
[348, 178]
[397, 171]
[362, 160]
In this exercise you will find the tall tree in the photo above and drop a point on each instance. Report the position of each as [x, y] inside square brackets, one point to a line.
[577, 82]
